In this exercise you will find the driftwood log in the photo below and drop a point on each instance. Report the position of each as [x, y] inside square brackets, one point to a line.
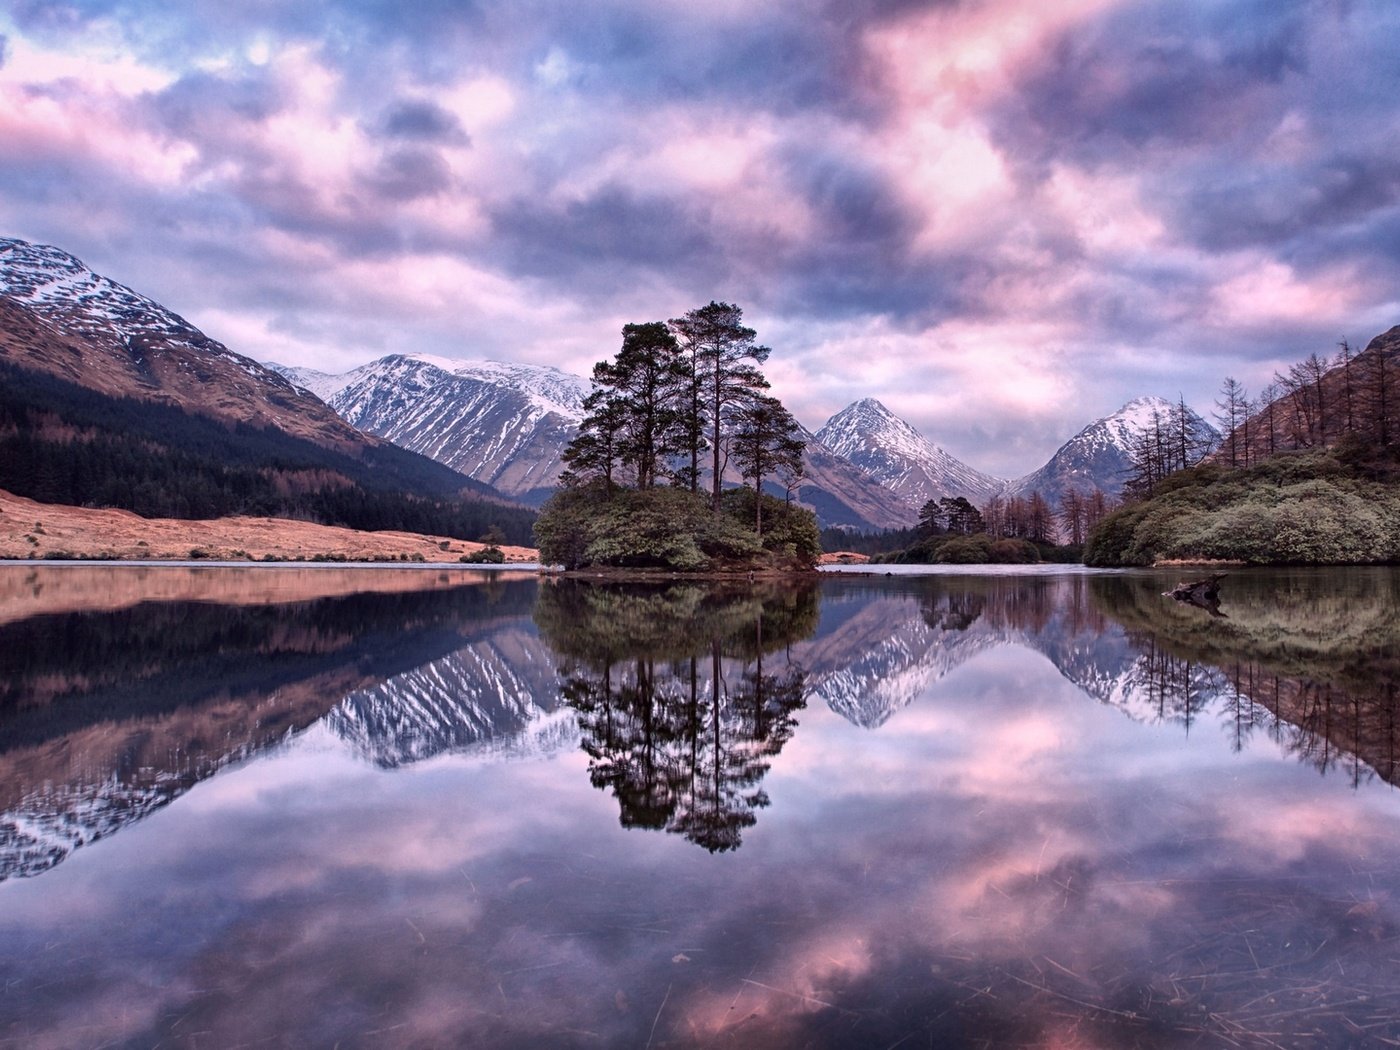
[1204, 594]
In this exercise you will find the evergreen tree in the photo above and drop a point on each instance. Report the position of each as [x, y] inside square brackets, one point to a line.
[596, 451]
[766, 442]
[724, 355]
[646, 384]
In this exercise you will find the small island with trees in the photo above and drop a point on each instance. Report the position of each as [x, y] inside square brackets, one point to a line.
[677, 394]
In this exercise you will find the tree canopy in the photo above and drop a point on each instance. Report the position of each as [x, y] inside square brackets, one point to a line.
[673, 390]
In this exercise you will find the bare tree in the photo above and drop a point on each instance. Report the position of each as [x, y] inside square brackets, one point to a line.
[1232, 413]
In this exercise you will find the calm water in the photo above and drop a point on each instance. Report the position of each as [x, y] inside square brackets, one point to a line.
[432, 809]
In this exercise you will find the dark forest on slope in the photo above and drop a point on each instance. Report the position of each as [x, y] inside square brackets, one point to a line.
[62, 443]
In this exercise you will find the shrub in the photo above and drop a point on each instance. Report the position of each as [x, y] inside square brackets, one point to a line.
[1307, 508]
[485, 556]
[670, 529]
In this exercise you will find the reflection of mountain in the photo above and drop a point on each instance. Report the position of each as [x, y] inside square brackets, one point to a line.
[108, 716]
[492, 689]
[1313, 663]
[881, 644]
[685, 693]
[885, 656]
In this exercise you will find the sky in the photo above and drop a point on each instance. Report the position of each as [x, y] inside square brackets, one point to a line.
[1002, 218]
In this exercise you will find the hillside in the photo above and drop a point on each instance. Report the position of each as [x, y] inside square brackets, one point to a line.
[109, 399]
[52, 531]
[1320, 507]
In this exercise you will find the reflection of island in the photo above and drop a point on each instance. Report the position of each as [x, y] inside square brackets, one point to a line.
[680, 716]
[107, 716]
[1311, 659]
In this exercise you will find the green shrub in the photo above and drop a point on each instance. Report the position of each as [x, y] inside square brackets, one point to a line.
[670, 529]
[1308, 508]
[485, 556]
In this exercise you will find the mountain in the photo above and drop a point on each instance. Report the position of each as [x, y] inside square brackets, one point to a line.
[869, 435]
[108, 398]
[503, 424]
[59, 317]
[1100, 455]
[507, 425]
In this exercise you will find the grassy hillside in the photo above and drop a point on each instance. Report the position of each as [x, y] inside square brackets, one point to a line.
[1338, 506]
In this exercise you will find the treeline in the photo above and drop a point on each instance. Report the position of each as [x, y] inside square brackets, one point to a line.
[1169, 442]
[1004, 529]
[680, 393]
[1306, 474]
[1318, 402]
[63, 443]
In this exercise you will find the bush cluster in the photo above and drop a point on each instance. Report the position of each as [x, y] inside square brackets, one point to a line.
[671, 529]
[1306, 508]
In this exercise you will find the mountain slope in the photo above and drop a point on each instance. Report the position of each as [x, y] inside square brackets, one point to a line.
[110, 399]
[59, 317]
[503, 424]
[892, 452]
[1100, 455]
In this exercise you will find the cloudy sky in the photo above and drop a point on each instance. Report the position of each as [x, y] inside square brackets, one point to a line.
[1003, 218]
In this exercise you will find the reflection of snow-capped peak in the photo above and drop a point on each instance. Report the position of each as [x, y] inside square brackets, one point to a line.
[886, 657]
[490, 691]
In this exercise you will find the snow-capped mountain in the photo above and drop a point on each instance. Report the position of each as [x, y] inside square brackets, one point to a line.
[1100, 455]
[508, 424]
[501, 423]
[58, 316]
[83, 354]
[890, 450]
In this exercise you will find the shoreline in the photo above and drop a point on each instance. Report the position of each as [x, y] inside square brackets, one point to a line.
[51, 533]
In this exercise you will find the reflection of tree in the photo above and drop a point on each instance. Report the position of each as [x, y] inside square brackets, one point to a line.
[1312, 660]
[682, 728]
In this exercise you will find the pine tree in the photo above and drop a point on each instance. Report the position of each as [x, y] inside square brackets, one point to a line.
[724, 354]
[766, 442]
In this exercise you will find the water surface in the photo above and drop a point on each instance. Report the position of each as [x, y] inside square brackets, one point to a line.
[310, 808]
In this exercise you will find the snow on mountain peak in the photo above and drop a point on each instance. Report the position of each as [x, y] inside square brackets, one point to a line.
[892, 452]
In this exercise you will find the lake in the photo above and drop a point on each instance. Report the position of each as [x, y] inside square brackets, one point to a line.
[323, 807]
